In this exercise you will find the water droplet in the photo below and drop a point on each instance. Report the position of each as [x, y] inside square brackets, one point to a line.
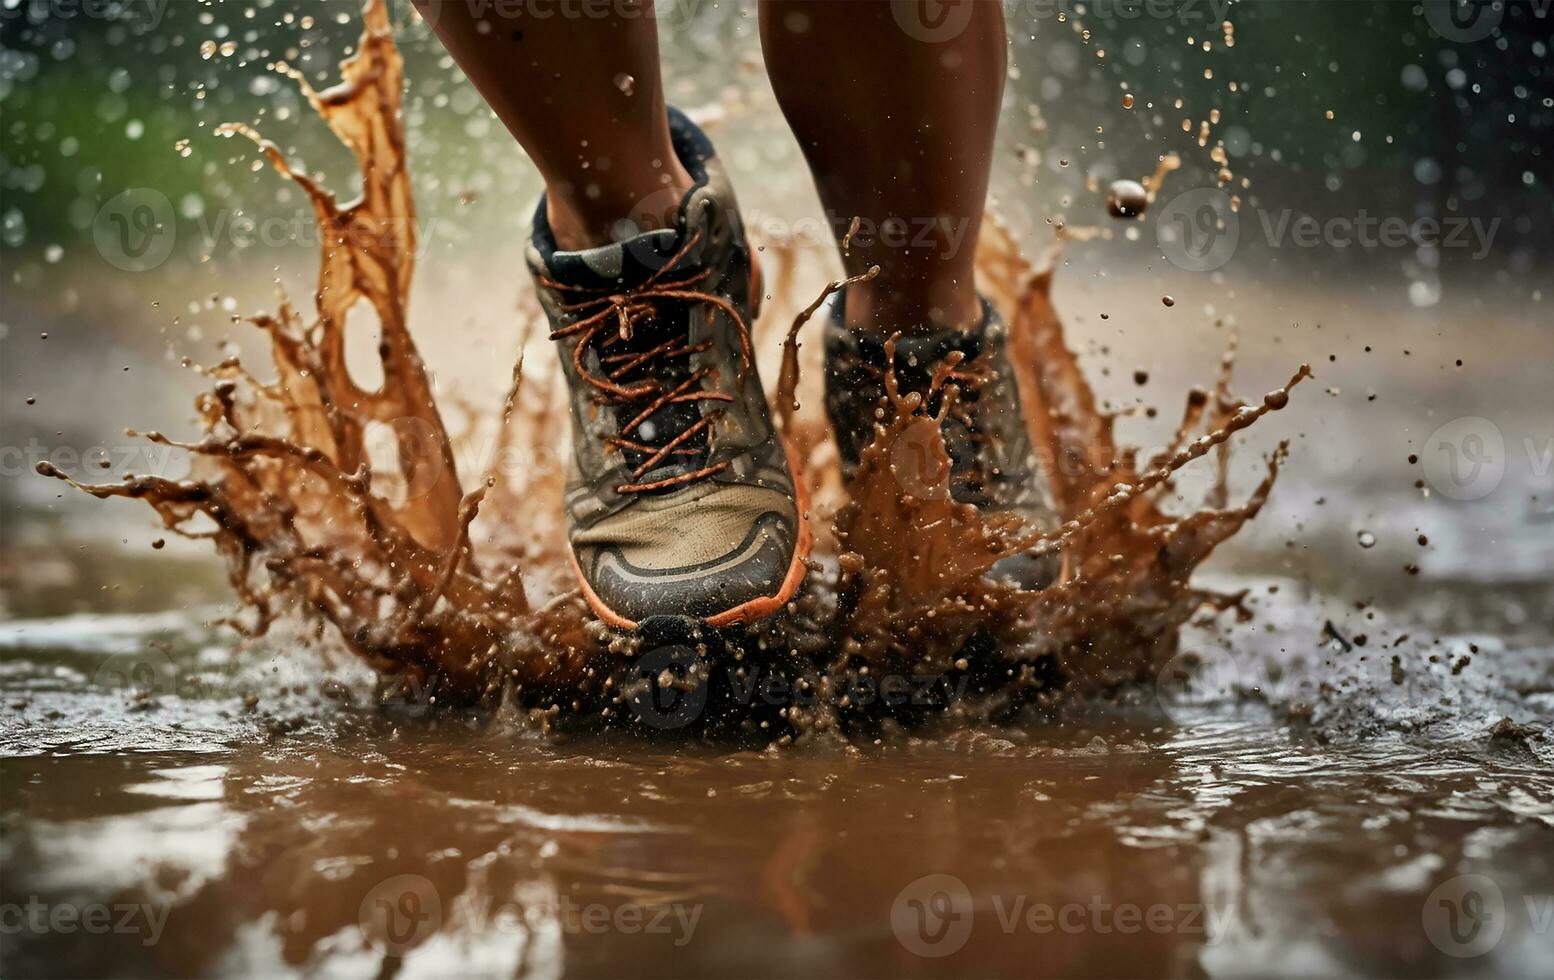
[1366, 539]
[626, 83]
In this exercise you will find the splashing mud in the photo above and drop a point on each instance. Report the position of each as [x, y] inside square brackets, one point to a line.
[320, 517]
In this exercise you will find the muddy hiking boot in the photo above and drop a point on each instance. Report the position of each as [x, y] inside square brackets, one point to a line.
[992, 464]
[680, 499]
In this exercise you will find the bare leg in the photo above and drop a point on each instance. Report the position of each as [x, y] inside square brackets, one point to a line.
[584, 97]
[897, 125]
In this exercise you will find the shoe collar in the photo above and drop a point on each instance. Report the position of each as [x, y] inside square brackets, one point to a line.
[917, 349]
[627, 263]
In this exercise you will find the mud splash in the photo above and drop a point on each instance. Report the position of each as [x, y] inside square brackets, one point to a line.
[319, 517]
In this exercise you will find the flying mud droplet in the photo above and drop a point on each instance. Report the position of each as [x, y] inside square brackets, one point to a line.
[1366, 539]
[1167, 301]
[1127, 101]
[1126, 199]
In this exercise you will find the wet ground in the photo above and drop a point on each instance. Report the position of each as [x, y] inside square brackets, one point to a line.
[172, 805]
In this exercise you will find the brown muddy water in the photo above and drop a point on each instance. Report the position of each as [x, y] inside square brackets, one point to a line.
[1326, 753]
[290, 830]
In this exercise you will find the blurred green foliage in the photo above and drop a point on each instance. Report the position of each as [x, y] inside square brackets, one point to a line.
[90, 105]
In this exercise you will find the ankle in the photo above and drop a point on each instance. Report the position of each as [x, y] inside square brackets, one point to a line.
[885, 309]
[591, 217]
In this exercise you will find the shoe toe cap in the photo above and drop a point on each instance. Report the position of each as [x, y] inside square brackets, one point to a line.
[754, 569]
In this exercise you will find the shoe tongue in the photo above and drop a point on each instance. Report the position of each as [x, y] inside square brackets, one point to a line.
[617, 265]
[621, 266]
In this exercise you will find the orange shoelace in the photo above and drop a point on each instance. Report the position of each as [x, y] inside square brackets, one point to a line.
[624, 311]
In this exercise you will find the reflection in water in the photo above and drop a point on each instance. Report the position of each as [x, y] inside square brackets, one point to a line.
[1223, 844]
